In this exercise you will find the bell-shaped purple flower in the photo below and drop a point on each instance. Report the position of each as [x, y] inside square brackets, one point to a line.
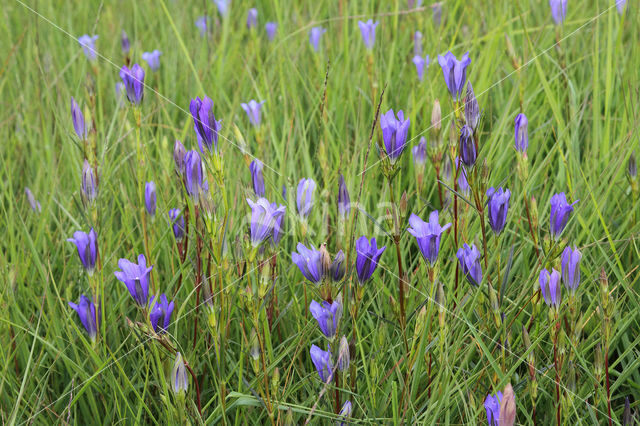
[469, 258]
[521, 133]
[304, 199]
[152, 59]
[345, 414]
[277, 227]
[471, 108]
[428, 235]
[31, 199]
[89, 186]
[264, 219]
[136, 277]
[367, 257]
[368, 31]
[498, 206]
[314, 36]
[322, 361]
[160, 313]
[88, 44]
[133, 80]
[550, 286]
[467, 149]
[124, 42]
[204, 122]
[309, 261]
[253, 108]
[492, 405]
[338, 269]
[256, 177]
[344, 201]
[179, 152]
[150, 198]
[252, 18]
[328, 316]
[223, 6]
[177, 224]
[560, 212]
[558, 10]
[193, 175]
[86, 311]
[82, 130]
[87, 246]
[463, 182]
[422, 65]
[454, 72]
[420, 152]
[202, 24]
[271, 28]
[571, 268]
[394, 133]
[621, 4]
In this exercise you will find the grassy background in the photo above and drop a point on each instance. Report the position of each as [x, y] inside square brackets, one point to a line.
[581, 100]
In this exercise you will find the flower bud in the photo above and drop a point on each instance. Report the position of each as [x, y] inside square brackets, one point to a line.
[325, 260]
[507, 407]
[89, 184]
[179, 380]
[632, 167]
[436, 117]
[178, 156]
[471, 108]
[343, 354]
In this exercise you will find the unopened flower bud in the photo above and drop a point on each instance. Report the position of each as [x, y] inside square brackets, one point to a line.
[325, 260]
[436, 117]
[343, 354]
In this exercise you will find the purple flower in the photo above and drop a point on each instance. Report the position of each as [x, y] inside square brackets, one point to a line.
[304, 198]
[368, 31]
[223, 6]
[35, 205]
[177, 224]
[345, 414]
[467, 149]
[87, 246]
[133, 80]
[367, 257]
[179, 379]
[558, 10]
[314, 36]
[550, 286]
[124, 41]
[82, 130]
[159, 310]
[620, 4]
[428, 235]
[150, 198]
[179, 152]
[463, 183]
[253, 111]
[344, 201]
[86, 311]
[420, 152]
[152, 59]
[521, 133]
[264, 220]
[136, 278]
[469, 258]
[498, 206]
[322, 361]
[89, 185]
[252, 18]
[193, 176]
[492, 405]
[471, 108]
[271, 28]
[338, 269]
[328, 316]
[204, 122]
[88, 44]
[454, 72]
[309, 261]
[202, 23]
[571, 268]
[417, 44]
[394, 133]
[560, 212]
[422, 64]
[277, 227]
[256, 177]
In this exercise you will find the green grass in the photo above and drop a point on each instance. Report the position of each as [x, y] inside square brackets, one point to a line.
[581, 98]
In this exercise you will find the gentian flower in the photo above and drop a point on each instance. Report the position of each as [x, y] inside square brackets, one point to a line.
[256, 177]
[177, 224]
[345, 414]
[204, 122]
[179, 152]
[492, 405]
[271, 28]
[368, 31]
[467, 149]
[150, 198]
[252, 108]
[277, 227]
[422, 64]
[337, 269]
[417, 44]
[160, 313]
[87, 313]
[560, 212]
[304, 198]
[498, 206]
[632, 166]
[35, 205]
[571, 268]
[179, 379]
[550, 286]
[508, 407]
[328, 316]
[309, 261]
[202, 23]
[124, 42]
[367, 257]
[89, 185]
[620, 4]
[88, 44]
[463, 183]
[264, 220]
[152, 59]
[394, 133]
[136, 277]
[82, 130]
[322, 361]
[133, 80]
[469, 258]
[454, 72]
[193, 175]
[252, 18]
[344, 201]
[428, 235]
[223, 6]
[87, 246]
[420, 152]
[471, 108]
[521, 133]
[558, 10]
[314, 36]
